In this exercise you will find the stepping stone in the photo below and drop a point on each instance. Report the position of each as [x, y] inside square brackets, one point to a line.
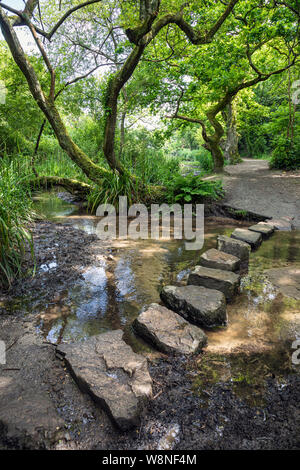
[234, 247]
[201, 306]
[287, 280]
[283, 223]
[253, 238]
[224, 281]
[219, 260]
[264, 229]
[168, 331]
[106, 368]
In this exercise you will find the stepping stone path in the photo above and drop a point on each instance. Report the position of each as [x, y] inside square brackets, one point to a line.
[219, 260]
[106, 368]
[254, 239]
[168, 331]
[234, 247]
[218, 279]
[201, 306]
[264, 229]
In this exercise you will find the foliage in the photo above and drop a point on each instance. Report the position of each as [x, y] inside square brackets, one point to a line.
[286, 155]
[187, 189]
[15, 215]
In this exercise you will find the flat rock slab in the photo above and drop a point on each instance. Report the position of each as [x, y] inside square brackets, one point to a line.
[287, 280]
[264, 229]
[224, 281]
[168, 331]
[254, 239]
[217, 259]
[202, 306]
[105, 367]
[234, 247]
[283, 223]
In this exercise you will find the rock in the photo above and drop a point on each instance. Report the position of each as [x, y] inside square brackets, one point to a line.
[283, 223]
[224, 281]
[254, 239]
[28, 416]
[217, 259]
[264, 229]
[287, 280]
[168, 331]
[202, 306]
[105, 367]
[234, 247]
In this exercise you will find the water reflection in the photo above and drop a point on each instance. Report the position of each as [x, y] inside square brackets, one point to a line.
[111, 297]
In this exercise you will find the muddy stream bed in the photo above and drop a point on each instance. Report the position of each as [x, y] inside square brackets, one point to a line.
[242, 392]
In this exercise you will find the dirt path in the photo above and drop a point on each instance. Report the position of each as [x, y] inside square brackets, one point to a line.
[251, 186]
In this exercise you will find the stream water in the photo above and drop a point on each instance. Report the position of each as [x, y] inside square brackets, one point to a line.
[262, 323]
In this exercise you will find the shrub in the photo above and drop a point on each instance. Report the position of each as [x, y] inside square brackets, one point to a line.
[286, 155]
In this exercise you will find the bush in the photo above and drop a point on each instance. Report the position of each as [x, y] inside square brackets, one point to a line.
[193, 189]
[286, 155]
[15, 214]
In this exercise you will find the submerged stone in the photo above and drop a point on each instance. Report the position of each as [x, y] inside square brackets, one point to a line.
[234, 247]
[168, 331]
[253, 238]
[202, 306]
[217, 259]
[105, 367]
[224, 281]
[264, 229]
[287, 280]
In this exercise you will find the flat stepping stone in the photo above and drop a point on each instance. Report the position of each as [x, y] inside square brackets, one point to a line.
[234, 247]
[106, 368]
[224, 281]
[217, 259]
[253, 238]
[202, 306]
[287, 280]
[168, 331]
[282, 223]
[264, 229]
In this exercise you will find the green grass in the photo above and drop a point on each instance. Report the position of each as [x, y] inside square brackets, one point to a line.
[15, 215]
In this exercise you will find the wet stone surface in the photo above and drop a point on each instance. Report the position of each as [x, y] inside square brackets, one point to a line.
[283, 223]
[287, 280]
[106, 368]
[234, 247]
[168, 331]
[219, 260]
[224, 281]
[253, 238]
[263, 228]
[197, 304]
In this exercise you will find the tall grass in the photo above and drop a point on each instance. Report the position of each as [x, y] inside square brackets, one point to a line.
[113, 186]
[15, 215]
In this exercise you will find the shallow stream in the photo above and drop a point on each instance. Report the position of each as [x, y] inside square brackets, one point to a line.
[262, 323]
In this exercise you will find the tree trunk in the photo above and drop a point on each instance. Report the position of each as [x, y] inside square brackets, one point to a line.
[113, 90]
[72, 186]
[230, 144]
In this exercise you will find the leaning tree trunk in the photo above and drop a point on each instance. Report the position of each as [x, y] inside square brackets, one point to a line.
[230, 144]
[94, 172]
